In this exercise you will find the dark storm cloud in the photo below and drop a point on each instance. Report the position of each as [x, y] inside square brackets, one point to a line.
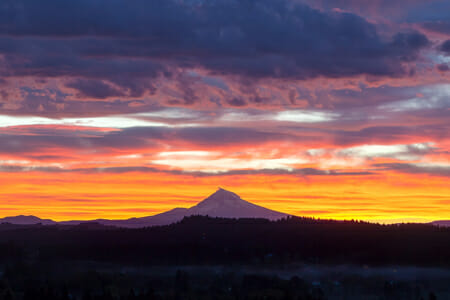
[297, 172]
[117, 40]
[433, 15]
[389, 134]
[35, 141]
[443, 67]
[42, 139]
[387, 9]
[35, 144]
[438, 26]
[94, 89]
[237, 102]
[18, 168]
[351, 98]
[144, 169]
[429, 10]
[52, 102]
[44, 57]
[416, 169]
[205, 136]
[445, 47]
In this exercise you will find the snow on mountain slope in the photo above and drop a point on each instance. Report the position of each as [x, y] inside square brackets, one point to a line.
[222, 204]
[226, 204]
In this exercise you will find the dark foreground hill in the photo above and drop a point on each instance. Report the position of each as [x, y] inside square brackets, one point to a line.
[204, 240]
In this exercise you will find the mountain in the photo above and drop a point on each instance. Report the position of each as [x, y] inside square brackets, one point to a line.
[27, 220]
[443, 223]
[164, 218]
[222, 203]
[226, 204]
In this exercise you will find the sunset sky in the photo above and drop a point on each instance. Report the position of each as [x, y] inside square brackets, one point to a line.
[331, 108]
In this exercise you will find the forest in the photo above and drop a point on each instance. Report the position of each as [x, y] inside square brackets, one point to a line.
[92, 261]
[204, 240]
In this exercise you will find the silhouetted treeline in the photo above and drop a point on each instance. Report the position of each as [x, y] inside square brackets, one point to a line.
[116, 286]
[204, 240]
[38, 281]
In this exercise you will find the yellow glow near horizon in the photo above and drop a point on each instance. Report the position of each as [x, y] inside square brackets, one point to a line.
[388, 197]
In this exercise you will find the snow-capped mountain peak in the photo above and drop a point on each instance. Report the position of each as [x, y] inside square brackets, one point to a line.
[227, 204]
[220, 198]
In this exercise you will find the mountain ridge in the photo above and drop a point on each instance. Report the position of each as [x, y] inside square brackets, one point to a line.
[222, 203]
[443, 223]
[27, 220]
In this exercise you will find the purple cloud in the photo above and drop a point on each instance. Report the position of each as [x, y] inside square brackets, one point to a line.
[145, 39]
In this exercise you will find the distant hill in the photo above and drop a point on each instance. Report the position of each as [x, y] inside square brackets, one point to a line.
[27, 220]
[443, 223]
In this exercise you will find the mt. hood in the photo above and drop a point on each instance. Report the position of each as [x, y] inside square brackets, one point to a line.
[222, 203]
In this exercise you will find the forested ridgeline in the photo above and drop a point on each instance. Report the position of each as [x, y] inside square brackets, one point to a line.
[204, 240]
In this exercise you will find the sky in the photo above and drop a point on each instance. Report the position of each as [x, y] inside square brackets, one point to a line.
[332, 108]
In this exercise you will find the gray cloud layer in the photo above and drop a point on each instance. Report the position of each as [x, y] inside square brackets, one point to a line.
[129, 42]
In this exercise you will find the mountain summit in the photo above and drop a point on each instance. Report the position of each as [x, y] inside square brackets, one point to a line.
[221, 197]
[222, 203]
[226, 204]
